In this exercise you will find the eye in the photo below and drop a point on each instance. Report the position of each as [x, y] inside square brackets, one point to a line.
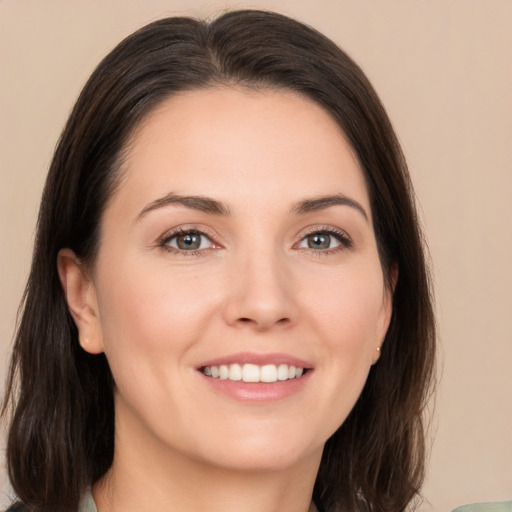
[325, 240]
[190, 240]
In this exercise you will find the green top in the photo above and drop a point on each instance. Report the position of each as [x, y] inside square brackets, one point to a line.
[504, 506]
[87, 504]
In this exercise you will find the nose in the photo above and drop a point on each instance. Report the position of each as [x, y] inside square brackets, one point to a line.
[261, 294]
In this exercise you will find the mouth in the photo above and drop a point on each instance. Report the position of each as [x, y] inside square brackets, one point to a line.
[257, 378]
[253, 373]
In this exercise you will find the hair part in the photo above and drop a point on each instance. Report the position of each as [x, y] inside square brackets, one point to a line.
[61, 436]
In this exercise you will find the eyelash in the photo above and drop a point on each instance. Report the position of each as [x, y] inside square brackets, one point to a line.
[166, 239]
[342, 237]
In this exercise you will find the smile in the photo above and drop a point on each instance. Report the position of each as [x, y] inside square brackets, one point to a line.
[253, 373]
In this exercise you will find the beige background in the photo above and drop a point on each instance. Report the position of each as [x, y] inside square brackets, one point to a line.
[444, 71]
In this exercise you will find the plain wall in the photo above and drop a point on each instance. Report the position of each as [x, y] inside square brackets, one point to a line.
[443, 70]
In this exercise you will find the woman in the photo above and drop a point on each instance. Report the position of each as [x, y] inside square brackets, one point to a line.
[228, 306]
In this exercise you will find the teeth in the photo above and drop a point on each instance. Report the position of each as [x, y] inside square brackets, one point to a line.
[282, 372]
[250, 373]
[223, 372]
[253, 372]
[268, 373]
[235, 372]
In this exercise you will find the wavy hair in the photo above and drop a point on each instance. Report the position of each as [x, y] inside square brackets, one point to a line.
[60, 398]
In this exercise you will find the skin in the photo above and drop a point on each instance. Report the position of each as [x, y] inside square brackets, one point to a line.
[255, 286]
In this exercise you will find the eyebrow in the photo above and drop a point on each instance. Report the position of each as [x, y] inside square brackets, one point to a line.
[323, 202]
[199, 203]
[212, 206]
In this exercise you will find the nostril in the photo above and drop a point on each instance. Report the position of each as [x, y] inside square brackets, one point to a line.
[262, 324]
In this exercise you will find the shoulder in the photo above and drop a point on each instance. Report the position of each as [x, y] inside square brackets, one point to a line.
[503, 506]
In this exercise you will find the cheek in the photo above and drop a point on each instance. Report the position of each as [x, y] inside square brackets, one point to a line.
[349, 307]
[348, 315]
[151, 312]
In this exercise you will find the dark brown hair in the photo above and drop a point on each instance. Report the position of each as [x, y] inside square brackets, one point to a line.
[62, 432]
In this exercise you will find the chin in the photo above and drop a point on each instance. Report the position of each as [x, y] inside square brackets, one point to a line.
[263, 452]
[263, 461]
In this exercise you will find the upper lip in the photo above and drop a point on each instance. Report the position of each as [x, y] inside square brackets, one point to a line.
[257, 359]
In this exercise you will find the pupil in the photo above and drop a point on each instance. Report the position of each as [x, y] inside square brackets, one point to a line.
[319, 241]
[189, 241]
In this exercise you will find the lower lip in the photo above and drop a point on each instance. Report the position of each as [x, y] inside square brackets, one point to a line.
[258, 391]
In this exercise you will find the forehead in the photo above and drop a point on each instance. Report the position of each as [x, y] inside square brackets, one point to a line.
[229, 142]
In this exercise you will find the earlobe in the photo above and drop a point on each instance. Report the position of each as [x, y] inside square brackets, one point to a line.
[376, 356]
[81, 298]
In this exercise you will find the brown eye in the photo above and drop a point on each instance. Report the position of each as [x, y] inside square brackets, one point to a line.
[188, 241]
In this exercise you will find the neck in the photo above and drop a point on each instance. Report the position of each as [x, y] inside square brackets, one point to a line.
[254, 493]
[200, 489]
[145, 475]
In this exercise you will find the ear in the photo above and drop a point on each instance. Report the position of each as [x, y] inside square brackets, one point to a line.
[386, 311]
[82, 301]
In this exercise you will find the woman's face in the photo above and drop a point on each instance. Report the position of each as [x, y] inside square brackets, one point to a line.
[238, 246]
